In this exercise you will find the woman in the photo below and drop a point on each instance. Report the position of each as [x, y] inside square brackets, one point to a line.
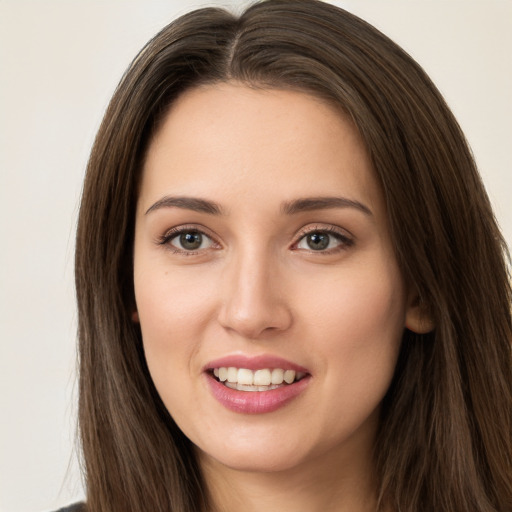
[292, 290]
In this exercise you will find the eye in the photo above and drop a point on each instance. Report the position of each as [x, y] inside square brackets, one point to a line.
[191, 241]
[323, 241]
[187, 240]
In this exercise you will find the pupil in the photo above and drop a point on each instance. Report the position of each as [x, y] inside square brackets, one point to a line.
[318, 241]
[191, 241]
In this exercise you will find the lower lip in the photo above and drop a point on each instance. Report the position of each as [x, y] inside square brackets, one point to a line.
[256, 402]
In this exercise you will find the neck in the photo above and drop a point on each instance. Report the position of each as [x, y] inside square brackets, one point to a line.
[331, 482]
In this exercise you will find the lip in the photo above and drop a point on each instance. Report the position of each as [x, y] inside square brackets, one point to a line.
[255, 402]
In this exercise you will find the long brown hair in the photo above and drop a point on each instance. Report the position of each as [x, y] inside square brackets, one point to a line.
[445, 435]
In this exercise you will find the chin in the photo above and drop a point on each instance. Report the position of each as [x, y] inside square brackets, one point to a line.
[262, 453]
[255, 461]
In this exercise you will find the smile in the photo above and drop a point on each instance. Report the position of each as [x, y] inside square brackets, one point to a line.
[255, 384]
[265, 379]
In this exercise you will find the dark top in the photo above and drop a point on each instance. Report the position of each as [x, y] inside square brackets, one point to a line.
[76, 507]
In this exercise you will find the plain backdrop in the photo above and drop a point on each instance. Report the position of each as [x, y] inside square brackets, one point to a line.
[59, 64]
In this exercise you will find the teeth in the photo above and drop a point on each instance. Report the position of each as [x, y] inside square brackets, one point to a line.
[289, 376]
[262, 378]
[259, 380]
[243, 387]
[232, 374]
[277, 376]
[245, 377]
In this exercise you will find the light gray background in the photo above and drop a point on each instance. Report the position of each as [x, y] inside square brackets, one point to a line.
[59, 64]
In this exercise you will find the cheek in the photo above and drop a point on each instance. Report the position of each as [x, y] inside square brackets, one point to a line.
[357, 329]
[366, 297]
[173, 312]
[167, 296]
[357, 323]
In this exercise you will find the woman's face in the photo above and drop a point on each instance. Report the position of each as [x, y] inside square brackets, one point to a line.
[262, 253]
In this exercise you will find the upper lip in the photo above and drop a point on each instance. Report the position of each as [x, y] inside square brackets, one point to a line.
[254, 363]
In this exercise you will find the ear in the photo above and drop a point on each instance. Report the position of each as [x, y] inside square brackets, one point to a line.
[418, 318]
[135, 316]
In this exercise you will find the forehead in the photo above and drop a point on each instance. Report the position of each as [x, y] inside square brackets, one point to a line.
[244, 144]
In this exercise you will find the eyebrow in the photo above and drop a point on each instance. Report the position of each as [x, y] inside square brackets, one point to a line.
[288, 208]
[187, 203]
[323, 203]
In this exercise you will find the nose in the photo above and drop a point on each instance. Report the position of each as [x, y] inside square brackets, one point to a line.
[254, 302]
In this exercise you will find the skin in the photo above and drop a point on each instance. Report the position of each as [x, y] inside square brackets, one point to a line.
[256, 287]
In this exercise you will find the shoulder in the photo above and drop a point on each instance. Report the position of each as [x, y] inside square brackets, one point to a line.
[76, 507]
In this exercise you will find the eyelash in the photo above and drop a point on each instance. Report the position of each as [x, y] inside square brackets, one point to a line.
[173, 233]
[344, 240]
